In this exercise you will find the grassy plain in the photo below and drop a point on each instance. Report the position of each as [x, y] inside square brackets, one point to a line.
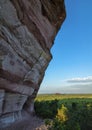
[46, 97]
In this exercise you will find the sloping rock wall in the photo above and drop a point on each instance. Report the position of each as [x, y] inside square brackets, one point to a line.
[27, 32]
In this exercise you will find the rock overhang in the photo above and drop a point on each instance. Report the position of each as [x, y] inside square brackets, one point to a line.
[27, 32]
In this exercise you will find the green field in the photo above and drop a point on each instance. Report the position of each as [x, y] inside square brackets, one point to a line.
[65, 111]
[45, 97]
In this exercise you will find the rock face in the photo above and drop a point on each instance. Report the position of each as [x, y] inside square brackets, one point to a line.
[27, 32]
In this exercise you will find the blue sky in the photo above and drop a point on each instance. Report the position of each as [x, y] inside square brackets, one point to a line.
[70, 70]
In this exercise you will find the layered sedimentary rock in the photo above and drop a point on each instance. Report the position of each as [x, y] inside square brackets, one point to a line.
[27, 32]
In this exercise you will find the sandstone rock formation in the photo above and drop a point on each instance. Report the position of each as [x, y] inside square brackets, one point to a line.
[27, 32]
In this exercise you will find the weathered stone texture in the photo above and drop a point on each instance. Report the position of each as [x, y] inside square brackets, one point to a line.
[14, 102]
[27, 32]
[2, 93]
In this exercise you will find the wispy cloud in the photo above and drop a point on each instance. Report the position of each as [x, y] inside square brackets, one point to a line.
[80, 88]
[80, 80]
[74, 85]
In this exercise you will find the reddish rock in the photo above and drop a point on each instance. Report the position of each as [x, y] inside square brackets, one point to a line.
[27, 32]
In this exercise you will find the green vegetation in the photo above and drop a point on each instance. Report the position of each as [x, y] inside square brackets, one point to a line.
[58, 96]
[65, 112]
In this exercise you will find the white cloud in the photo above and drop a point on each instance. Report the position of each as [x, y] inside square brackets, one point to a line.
[79, 88]
[74, 85]
[80, 80]
[74, 88]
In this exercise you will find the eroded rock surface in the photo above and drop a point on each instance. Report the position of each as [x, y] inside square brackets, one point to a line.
[27, 32]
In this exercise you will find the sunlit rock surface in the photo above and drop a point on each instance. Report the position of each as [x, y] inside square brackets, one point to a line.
[27, 32]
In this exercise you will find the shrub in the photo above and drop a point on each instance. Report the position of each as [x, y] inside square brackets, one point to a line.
[46, 109]
[62, 113]
[66, 114]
